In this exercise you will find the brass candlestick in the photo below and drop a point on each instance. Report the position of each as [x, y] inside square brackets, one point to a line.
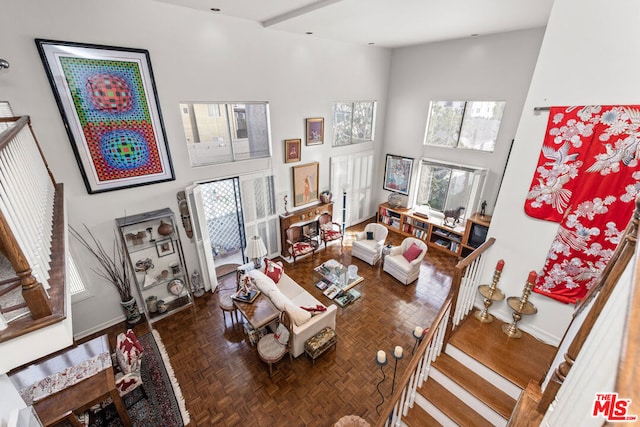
[520, 306]
[490, 293]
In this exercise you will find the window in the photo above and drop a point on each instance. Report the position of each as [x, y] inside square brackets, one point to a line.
[473, 124]
[223, 133]
[353, 122]
[444, 186]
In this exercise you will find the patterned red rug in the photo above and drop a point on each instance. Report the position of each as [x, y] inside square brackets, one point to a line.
[160, 404]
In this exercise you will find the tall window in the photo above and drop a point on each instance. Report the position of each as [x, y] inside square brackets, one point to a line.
[353, 122]
[464, 124]
[443, 186]
[223, 133]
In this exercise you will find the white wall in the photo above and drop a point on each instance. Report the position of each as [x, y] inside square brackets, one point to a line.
[494, 67]
[588, 56]
[196, 56]
[10, 401]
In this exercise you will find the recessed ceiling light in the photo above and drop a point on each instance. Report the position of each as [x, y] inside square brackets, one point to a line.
[215, 9]
[309, 32]
[475, 35]
[371, 43]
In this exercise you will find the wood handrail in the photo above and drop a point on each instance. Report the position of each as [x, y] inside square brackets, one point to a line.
[464, 263]
[401, 384]
[7, 135]
[627, 384]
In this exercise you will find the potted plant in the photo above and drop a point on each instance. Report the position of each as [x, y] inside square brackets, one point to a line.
[114, 267]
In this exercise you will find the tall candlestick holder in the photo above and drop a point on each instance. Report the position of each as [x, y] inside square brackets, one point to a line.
[520, 306]
[490, 293]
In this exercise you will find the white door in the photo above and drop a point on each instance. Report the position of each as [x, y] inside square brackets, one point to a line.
[201, 237]
[351, 185]
[257, 192]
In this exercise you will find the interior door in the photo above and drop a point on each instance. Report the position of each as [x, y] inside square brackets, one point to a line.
[352, 174]
[201, 237]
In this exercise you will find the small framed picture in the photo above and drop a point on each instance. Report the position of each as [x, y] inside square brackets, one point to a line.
[315, 131]
[292, 148]
[165, 247]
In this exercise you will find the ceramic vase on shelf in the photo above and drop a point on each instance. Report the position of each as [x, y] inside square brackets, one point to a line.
[165, 228]
[131, 310]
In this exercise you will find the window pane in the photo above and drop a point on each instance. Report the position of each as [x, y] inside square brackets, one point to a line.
[433, 187]
[342, 114]
[460, 184]
[362, 122]
[481, 124]
[222, 133]
[443, 125]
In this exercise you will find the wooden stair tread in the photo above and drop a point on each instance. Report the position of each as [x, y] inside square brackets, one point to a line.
[450, 405]
[486, 392]
[517, 359]
[418, 417]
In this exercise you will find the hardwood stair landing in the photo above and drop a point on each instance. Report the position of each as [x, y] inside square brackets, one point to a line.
[517, 359]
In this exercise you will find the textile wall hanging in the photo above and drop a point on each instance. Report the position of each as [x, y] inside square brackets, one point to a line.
[587, 179]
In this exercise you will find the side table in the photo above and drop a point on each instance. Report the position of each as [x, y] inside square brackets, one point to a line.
[386, 250]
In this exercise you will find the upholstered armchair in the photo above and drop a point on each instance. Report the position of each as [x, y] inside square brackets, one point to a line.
[368, 244]
[298, 244]
[329, 230]
[403, 262]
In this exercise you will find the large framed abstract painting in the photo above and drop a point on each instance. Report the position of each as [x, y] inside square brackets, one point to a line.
[108, 101]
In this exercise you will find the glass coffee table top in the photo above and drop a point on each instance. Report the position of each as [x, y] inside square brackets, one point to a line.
[333, 277]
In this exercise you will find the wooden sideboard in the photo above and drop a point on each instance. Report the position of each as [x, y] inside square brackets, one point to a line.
[301, 217]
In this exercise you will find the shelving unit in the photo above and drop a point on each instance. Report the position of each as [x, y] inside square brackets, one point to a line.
[453, 240]
[154, 252]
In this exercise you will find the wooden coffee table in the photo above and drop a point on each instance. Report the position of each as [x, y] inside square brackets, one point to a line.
[259, 313]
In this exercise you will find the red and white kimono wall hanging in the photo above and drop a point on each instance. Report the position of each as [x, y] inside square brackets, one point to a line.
[587, 180]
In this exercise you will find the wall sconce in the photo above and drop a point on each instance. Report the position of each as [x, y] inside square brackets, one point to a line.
[4, 64]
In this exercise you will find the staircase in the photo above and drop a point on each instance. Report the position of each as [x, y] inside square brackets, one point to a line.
[478, 377]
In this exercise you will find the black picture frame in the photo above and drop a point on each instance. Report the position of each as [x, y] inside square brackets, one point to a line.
[165, 247]
[397, 174]
[109, 105]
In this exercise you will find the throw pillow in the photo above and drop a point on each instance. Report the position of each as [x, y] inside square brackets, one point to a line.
[281, 334]
[297, 315]
[369, 235]
[413, 252]
[262, 282]
[273, 270]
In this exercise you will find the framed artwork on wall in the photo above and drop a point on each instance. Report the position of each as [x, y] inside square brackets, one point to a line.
[305, 183]
[315, 131]
[292, 148]
[109, 105]
[397, 174]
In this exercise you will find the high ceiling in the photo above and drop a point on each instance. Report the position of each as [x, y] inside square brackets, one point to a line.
[385, 23]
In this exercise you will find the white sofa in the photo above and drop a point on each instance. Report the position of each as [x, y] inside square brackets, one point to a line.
[288, 295]
[396, 264]
[369, 251]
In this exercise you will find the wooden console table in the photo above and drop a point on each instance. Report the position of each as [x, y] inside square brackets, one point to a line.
[301, 217]
[63, 404]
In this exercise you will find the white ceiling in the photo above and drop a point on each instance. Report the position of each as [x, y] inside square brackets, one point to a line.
[386, 23]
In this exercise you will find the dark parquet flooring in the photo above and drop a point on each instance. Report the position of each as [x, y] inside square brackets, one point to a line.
[225, 383]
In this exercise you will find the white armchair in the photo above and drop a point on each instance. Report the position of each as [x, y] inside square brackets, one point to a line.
[397, 265]
[370, 250]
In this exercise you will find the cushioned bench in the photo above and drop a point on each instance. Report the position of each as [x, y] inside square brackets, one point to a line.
[320, 342]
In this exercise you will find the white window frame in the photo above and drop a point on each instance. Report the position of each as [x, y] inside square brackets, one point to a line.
[336, 130]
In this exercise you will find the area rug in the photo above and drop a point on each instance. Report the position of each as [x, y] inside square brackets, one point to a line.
[163, 405]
